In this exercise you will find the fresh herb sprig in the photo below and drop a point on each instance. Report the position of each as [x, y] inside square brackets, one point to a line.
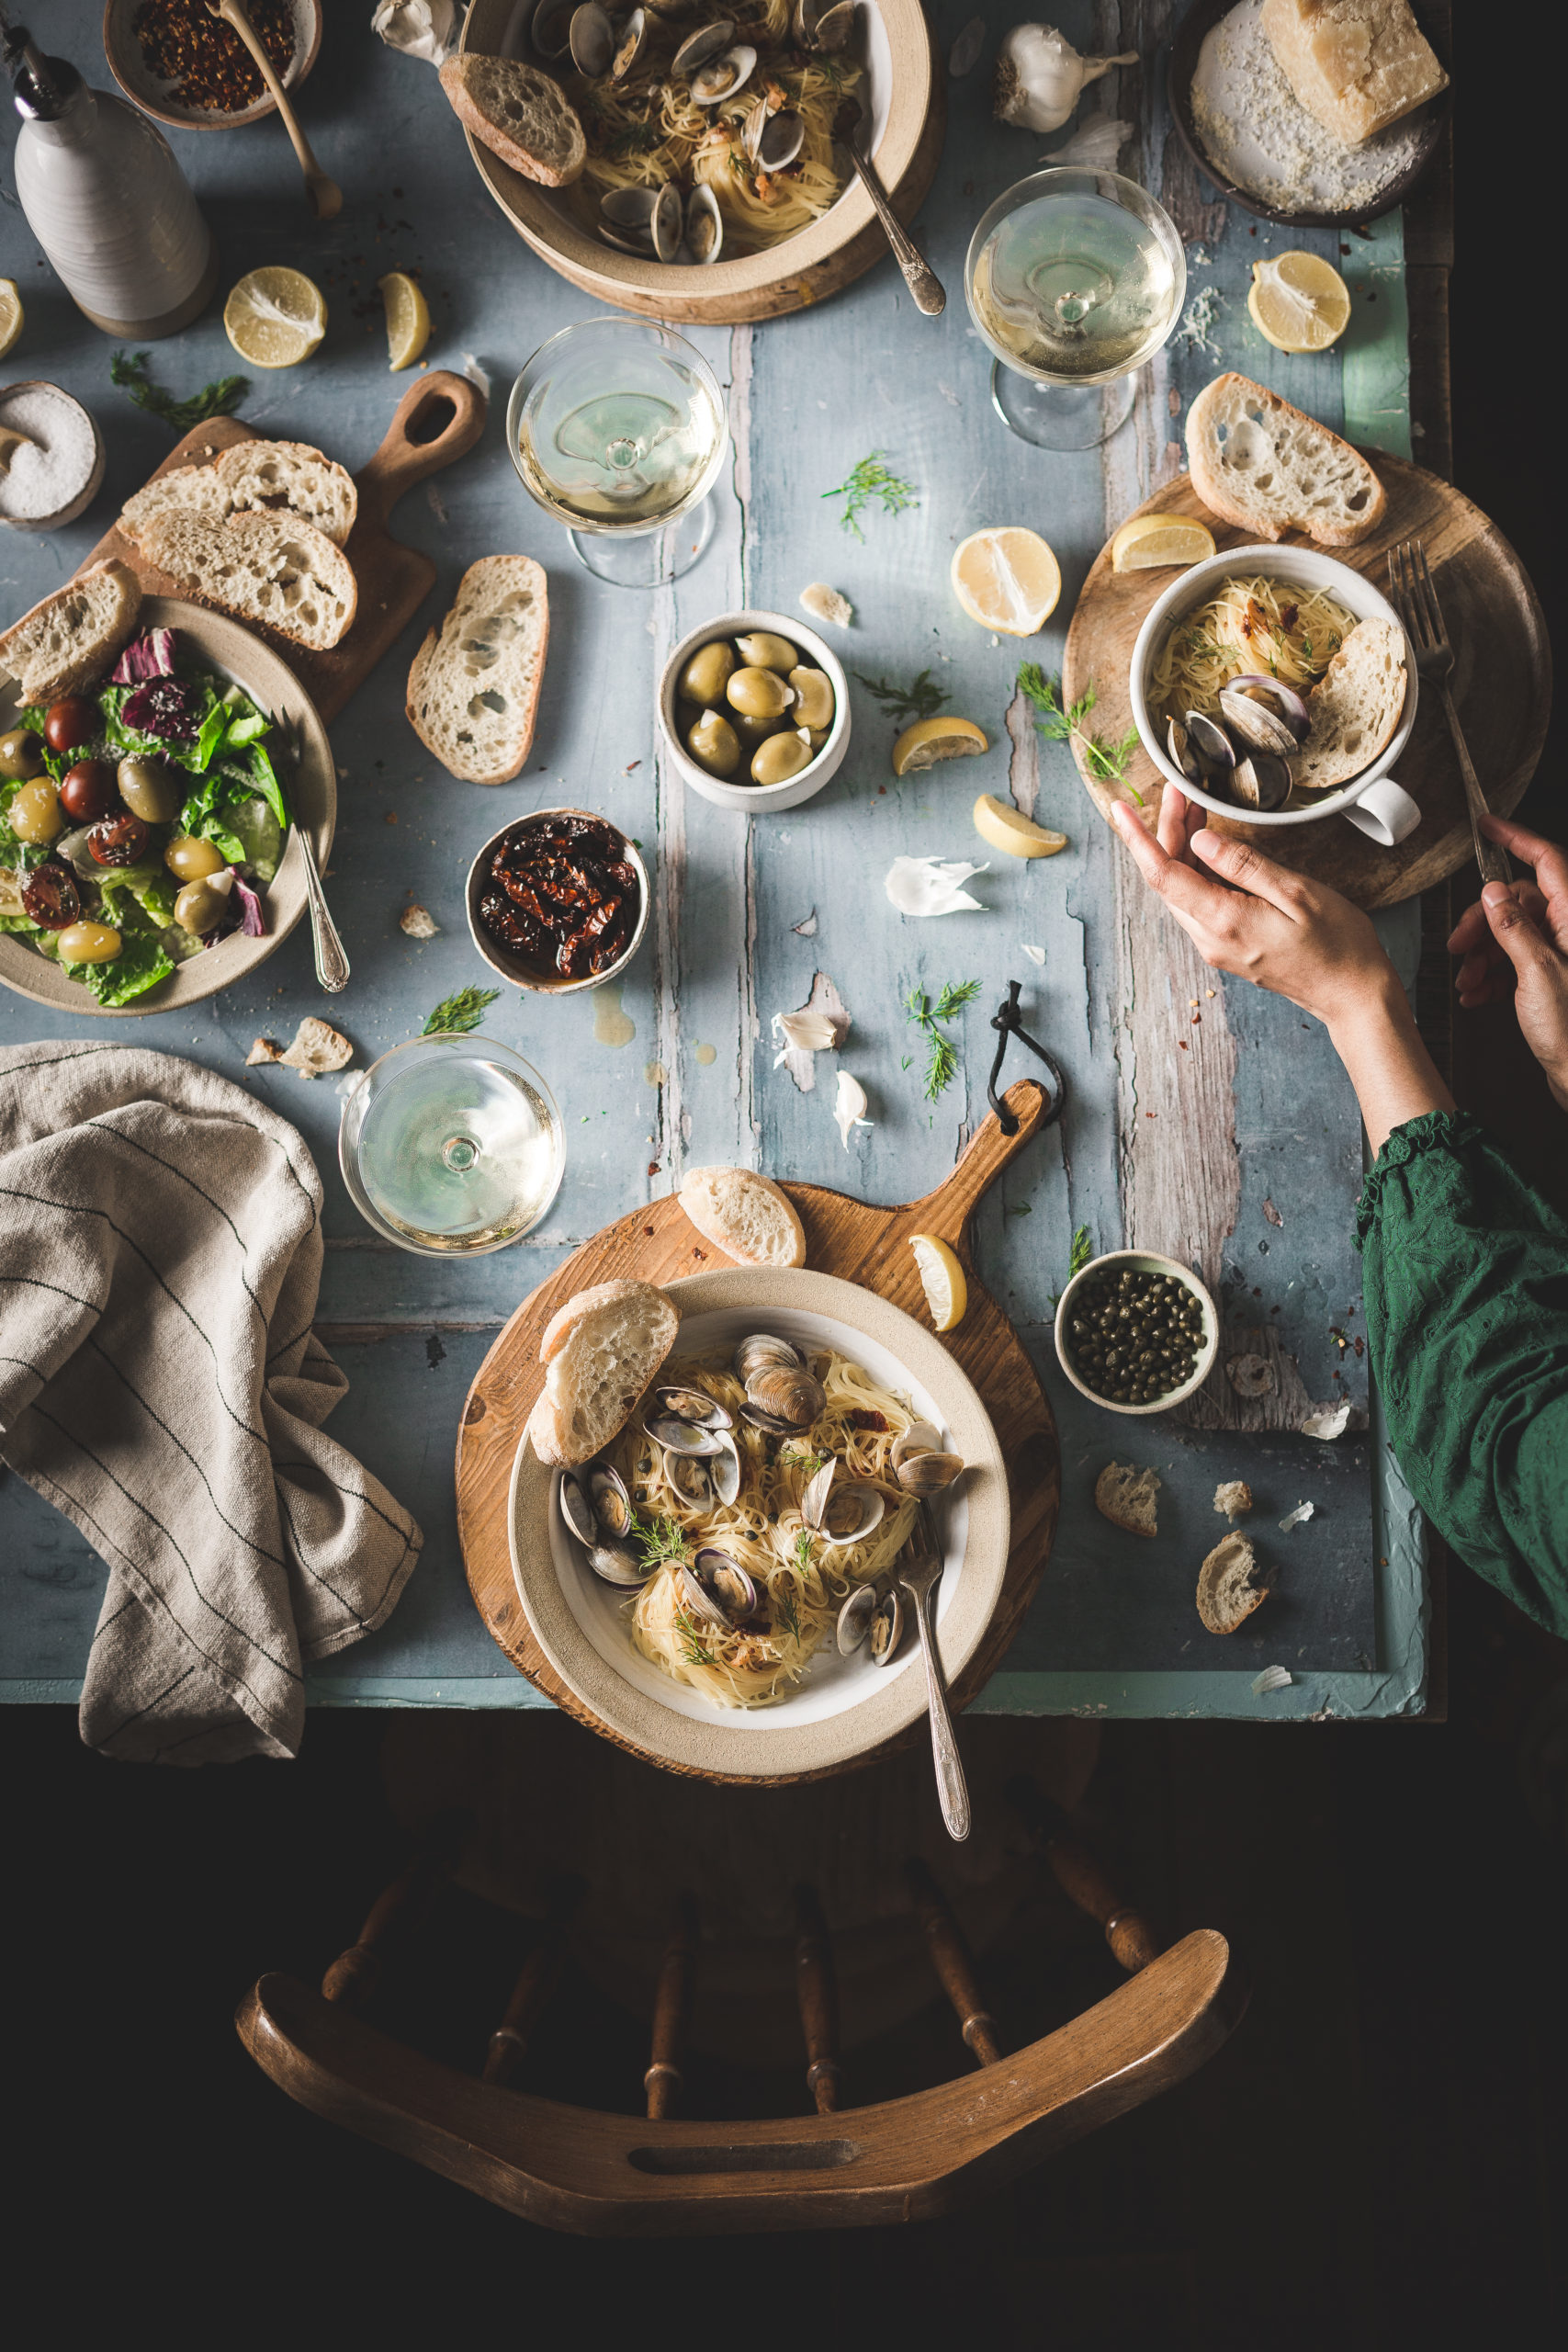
[868, 480]
[219, 399]
[693, 1648]
[1082, 1252]
[921, 699]
[1107, 762]
[660, 1540]
[942, 1054]
[455, 1015]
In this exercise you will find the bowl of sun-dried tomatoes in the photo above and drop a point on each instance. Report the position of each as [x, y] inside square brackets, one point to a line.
[558, 901]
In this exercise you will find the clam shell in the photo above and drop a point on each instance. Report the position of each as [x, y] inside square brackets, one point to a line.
[628, 207]
[592, 39]
[632, 46]
[1210, 746]
[770, 1422]
[710, 40]
[763, 1348]
[704, 226]
[717, 1590]
[724, 1470]
[1290, 706]
[627, 241]
[773, 140]
[789, 1392]
[613, 1563]
[669, 223]
[681, 1437]
[920, 1437]
[928, 1474]
[722, 76]
[693, 1405]
[822, 24]
[576, 1510]
[886, 1629]
[549, 29]
[814, 1501]
[854, 1618]
[1179, 743]
[869, 1515]
[1261, 781]
[611, 1504]
[1261, 728]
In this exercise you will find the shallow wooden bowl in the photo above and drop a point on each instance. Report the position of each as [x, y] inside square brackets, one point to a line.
[157, 98]
[845, 241]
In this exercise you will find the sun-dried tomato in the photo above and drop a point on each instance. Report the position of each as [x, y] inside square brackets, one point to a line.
[567, 895]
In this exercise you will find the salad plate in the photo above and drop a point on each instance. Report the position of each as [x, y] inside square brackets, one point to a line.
[259, 753]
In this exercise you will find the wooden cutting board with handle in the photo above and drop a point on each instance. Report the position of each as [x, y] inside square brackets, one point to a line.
[845, 1236]
[438, 420]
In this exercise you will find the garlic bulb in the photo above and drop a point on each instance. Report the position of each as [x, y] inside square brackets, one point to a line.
[1040, 76]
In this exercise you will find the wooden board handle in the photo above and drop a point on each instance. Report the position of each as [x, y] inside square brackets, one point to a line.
[421, 439]
[947, 1211]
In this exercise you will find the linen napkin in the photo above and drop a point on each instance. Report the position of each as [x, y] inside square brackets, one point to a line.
[160, 1383]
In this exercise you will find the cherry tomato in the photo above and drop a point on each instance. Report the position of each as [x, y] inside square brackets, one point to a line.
[87, 791]
[51, 896]
[117, 841]
[70, 722]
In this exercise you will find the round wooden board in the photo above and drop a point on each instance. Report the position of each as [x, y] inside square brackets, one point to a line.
[843, 1236]
[1502, 683]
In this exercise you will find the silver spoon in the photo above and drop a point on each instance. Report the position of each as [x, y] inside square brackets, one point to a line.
[917, 1575]
[919, 276]
[331, 964]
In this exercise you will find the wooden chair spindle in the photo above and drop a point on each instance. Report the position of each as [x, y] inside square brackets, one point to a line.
[954, 1963]
[1081, 1877]
[816, 1990]
[663, 2081]
[536, 1981]
[356, 1973]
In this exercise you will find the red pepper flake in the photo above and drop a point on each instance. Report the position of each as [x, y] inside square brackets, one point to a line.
[1182, 1043]
[206, 59]
[653, 1170]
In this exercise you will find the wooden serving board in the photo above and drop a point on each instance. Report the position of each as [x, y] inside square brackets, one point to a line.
[438, 420]
[843, 1236]
[1502, 683]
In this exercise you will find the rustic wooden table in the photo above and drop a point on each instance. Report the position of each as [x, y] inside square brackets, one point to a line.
[1251, 1142]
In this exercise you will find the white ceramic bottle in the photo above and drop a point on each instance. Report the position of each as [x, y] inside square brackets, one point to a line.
[108, 202]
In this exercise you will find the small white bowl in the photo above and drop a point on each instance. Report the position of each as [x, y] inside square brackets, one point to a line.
[758, 799]
[1147, 1262]
[512, 967]
[1373, 801]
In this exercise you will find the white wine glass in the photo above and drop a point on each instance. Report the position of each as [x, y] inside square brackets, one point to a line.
[617, 426]
[1075, 279]
[451, 1146]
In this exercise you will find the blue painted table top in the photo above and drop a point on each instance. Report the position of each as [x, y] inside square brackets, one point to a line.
[676, 1067]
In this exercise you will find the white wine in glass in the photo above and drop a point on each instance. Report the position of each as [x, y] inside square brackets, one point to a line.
[1075, 279]
[451, 1145]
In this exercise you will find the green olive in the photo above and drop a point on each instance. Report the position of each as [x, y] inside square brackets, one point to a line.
[89, 943]
[35, 814]
[813, 697]
[758, 694]
[705, 674]
[21, 755]
[200, 907]
[188, 859]
[778, 758]
[762, 650]
[713, 744]
[149, 790]
[753, 731]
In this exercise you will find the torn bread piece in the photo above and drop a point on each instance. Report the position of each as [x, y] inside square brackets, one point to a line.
[746, 1215]
[1126, 1497]
[602, 1348]
[1230, 1584]
[1233, 1498]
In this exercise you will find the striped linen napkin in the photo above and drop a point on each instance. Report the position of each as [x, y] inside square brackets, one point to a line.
[160, 1255]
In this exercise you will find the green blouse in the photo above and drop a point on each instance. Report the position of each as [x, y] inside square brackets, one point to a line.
[1467, 1322]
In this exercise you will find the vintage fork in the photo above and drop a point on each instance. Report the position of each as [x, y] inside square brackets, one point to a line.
[917, 1573]
[1416, 599]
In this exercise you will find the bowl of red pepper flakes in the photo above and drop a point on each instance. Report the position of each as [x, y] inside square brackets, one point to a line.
[558, 901]
[186, 68]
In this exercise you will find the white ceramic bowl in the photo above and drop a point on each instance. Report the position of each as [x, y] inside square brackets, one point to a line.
[512, 967]
[758, 799]
[1373, 801]
[1146, 1261]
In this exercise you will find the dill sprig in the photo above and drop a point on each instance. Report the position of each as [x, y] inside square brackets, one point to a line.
[942, 1054]
[692, 1647]
[922, 699]
[1108, 762]
[660, 1540]
[871, 478]
[219, 399]
[803, 1559]
[455, 1015]
[787, 1604]
[801, 1457]
[1082, 1252]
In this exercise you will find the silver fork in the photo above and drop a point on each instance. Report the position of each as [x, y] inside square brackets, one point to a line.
[917, 1575]
[1416, 599]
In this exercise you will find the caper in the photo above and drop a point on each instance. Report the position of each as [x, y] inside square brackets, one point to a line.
[762, 650]
[778, 758]
[188, 859]
[89, 943]
[21, 755]
[1135, 1336]
[813, 697]
[35, 814]
[706, 672]
[753, 731]
[713, 744]
[200, 907]
[759, 692]
[149, 790]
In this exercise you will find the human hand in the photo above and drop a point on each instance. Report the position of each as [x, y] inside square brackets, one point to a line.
[1513, 941]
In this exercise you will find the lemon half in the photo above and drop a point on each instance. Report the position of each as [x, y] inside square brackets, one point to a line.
[408, 318]
[1298, 302]
[1147, 542]
[947, 1292]
[1006, 827]
[274, 317]
[1007, 580]
[931, 739]
[12, 317]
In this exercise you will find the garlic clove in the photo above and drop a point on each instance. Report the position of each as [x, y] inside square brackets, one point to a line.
[1040, 76]
[849, 1106]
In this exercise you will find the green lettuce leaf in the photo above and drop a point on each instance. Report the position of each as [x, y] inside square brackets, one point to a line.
[139, 966]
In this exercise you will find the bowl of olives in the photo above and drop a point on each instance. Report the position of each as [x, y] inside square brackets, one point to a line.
[1136, 1333]
[755, 710]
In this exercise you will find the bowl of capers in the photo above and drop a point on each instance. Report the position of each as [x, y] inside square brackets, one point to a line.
[755, 711]
[1136, 1333]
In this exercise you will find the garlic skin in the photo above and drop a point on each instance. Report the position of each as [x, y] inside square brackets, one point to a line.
[1094, 146]
[1041, 76]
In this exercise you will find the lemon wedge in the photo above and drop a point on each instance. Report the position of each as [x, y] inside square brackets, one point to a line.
[12, 317]
[1147, 542]
[947, 1292]
[1298, 302]
[1006, 827]
[408, 318]
[931, 739]
[274, 317]
[1007, 580]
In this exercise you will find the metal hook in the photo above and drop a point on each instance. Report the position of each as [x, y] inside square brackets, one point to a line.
[1009, 1023]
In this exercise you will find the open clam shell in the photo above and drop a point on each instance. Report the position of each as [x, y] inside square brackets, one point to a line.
[920, 1437]
[722, 76]
[772, 140]
[886, 1629]
[1260, 727]
[668, 224]
[693, 1405]
[717, 1590]
[1261, 780]
[709, 41]
[550, 28]
[1179, 743]
[724, 1470]
[625, 218]
[823, 25]
[681, 1437]
[613, 1563]
[592, 39]
[1253, 692]
[840, 1511]
[631, 46]
[576, 1510]
[611, 1504]
[705, 225]
[929, 1474]
[854, 1618]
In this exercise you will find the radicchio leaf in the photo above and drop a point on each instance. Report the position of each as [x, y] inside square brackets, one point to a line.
[163, 705]
[254, 926]
[150, 655]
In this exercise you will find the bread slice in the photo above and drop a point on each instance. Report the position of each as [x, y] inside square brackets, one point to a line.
[73, 635]
[1355, 708]
[746, 1214]
[1264, 465]
[520, 114]
[1233, 1498]
[1357, 65]
[1230, 1586]
[473, 691]
[273, 477]
[602, 1348]
[269, 568]
[1126, 1497]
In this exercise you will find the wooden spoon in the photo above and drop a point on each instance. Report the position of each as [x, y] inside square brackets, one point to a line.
[326, 196]
[11, 440]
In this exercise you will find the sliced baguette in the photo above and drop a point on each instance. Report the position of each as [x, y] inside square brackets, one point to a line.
[72, 635]
[473, 691]
[1126, 1497]
[272, 568]
[745, 1215]
[1230, 1586]
[602, 1348]
[266, 477]
[1355, 708]
[1264, 465]
[520, 114]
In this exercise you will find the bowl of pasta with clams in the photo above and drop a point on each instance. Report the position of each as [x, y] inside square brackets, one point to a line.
[720, 1586]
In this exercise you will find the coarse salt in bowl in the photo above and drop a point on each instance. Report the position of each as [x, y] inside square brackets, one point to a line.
[56, 469]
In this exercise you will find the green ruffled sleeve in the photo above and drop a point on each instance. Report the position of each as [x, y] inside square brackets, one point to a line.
[1467, 1322]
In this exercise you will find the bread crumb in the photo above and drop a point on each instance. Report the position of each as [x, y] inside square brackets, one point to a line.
[264, 1050]
[418, 922]
[1233, 1498]
[1125, 1496]
[825, 604]
[317, 1048]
